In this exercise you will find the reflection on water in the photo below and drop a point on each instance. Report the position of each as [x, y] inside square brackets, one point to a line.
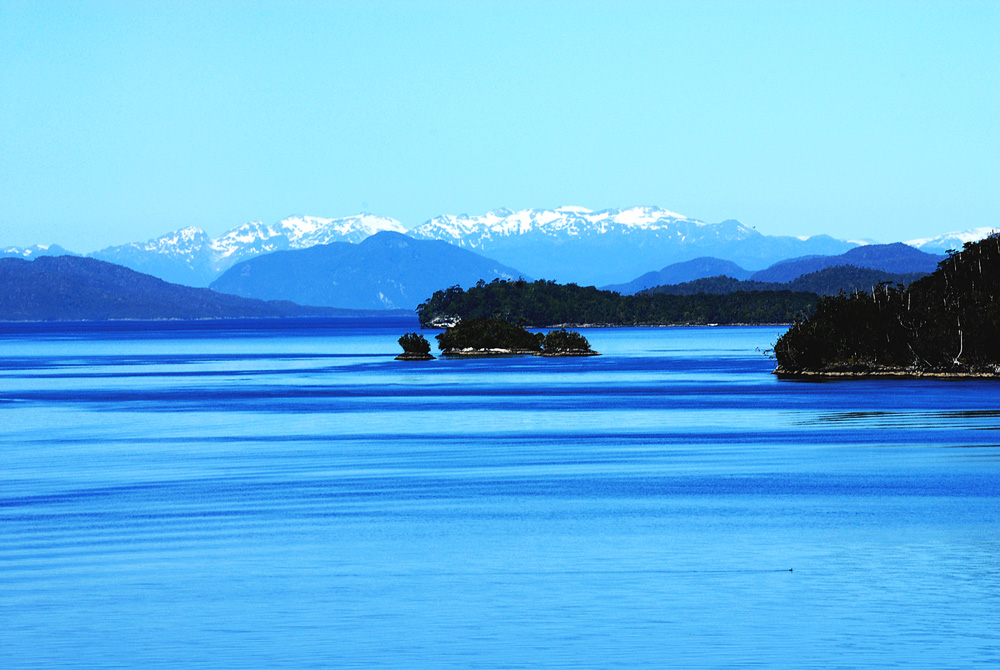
[204, 494]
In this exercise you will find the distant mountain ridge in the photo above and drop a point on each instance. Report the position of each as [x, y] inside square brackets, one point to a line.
[896, 258]
[586, 247]
[895, 261]
[189, 256]
[678, 273]
[34, 251]
[612, 246]
[951, 241]
[387, 270]
[72, 288]
[568, 244]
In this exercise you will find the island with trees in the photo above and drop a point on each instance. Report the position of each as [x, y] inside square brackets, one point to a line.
[497, 337]
[945, 324]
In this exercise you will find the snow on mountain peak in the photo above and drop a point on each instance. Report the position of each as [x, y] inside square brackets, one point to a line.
[192, 246]
[25, 252]
[307, 231]
[253, 235]
[952, 240]
[183, 241]
[647, 217]
[475, 231]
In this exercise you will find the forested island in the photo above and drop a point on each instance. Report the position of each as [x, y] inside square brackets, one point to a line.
[541, 304]
[495, 337]
[946, 324]
[490, 337]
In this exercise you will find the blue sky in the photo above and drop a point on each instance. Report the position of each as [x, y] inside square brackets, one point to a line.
[121, 121]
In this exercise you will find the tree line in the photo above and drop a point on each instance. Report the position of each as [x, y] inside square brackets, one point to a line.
[545, 303]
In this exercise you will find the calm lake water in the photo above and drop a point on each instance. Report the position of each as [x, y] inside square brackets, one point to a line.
[232, 495]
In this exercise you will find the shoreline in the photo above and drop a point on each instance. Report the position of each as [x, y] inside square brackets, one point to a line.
[485, 353]
[640, 325]
[414, 356]
[886, 373]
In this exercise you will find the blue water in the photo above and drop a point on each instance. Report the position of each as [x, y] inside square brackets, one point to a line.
[287, 495]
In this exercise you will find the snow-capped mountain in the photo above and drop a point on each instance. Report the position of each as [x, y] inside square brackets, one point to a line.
[299, 232]
[480, 231]
[954, 240]
[613, 245]
[189, 256]
[34, 251]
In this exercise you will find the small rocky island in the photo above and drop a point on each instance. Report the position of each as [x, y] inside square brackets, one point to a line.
[496, 337]
[944, 325]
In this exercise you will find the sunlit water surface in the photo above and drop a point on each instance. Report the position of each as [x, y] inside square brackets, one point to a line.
[232, 495]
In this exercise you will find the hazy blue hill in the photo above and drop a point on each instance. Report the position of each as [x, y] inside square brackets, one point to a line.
[849, 278]
[896, 258]
[67, 288]
[677, 273]
[603, 259]
[828, 281]
[387, 270]
[192, 268]
[720, 285]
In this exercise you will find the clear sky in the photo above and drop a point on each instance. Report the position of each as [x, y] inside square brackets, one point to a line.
[121, 121]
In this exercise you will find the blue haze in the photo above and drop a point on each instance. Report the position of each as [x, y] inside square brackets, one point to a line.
[226, 495]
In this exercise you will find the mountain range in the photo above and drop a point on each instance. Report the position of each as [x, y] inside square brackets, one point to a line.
[189, 256]
[574, 244]
[568, 244]
[895, 258]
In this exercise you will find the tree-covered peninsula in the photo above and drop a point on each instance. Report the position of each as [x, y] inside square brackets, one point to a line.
[545, 304]
[947, 323]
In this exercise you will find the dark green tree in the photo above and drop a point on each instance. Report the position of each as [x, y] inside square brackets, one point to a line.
[545, 304]
[484, 334]
[414, 343]
[562, 340]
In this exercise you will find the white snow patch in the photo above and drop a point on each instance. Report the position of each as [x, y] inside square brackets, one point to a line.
[567, 221]
[955, 239]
